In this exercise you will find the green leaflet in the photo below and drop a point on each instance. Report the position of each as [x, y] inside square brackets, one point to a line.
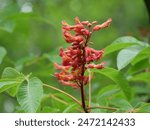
[30, 94]
[145, 77]
[121, 43]
[143, 64]
[70, 108]
[11, 79]
[118, 78]
[145, 53]
[108, 91]
[122, 104]
[126, 55]
[47, 109]
[29, 91]
[145, 108]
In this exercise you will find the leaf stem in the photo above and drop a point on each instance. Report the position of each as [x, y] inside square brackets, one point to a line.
[102, 107]
[65, 93]
[58, 99]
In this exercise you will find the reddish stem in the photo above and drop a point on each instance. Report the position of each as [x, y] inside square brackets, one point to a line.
[82, 74]
[83, 99]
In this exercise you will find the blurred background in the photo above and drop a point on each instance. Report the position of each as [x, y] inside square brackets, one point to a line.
[30, 31]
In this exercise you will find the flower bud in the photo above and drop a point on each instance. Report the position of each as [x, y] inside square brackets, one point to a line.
[94, 22]
[103, 25]
[96, 28]
[100, 66]
[64, 23]
[91, 66]
[78, 38]
[85, 22]
[89, 25]
[77, 20]
[74, 85]
[61, 52]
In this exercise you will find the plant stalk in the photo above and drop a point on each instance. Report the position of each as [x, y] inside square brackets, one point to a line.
[61, 91]
[82, 82]
[83, 99]
[103, 107]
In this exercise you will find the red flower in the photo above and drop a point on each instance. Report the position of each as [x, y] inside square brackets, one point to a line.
[98, 66]
[103, 25]
[93, 55]
[78, 57]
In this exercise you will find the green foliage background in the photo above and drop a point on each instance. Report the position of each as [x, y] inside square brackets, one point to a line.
[30, 36]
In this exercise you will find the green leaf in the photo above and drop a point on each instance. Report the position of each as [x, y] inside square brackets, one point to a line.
[129, 39]
[63, 97]
[11, 73]
[145, 77]
[144, 64]
[126, 39]
[108, 91]
[118, 78]
[70, 108]
[47, 109]
[142, 90]
[145, 53]
[105, 94]
[2, 53]
[125, 56]
[122, 104]
[97, 110]
[145, 108]
[30, 94]
[10, 79]
[121, 43]
[6, 84]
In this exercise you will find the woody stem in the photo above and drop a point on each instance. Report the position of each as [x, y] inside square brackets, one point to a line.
[82, 88]
[83, 99]
[82, 81]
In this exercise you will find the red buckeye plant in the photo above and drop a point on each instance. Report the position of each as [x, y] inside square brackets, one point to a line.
[78, 57]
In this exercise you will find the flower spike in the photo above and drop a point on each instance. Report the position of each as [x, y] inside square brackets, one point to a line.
[78, 56]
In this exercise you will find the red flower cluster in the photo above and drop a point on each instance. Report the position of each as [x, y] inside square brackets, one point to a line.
[77, 58]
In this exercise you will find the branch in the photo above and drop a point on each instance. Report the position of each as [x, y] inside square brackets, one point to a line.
[65, 93]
